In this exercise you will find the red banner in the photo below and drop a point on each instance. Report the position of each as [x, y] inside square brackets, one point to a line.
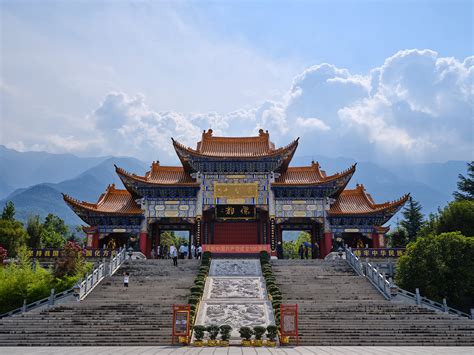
[236, 249]
[181, 319]
[289, 321]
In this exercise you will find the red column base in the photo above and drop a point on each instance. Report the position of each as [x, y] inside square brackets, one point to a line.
[375, 240]
[144, 243]
[326, 245]
[95, 241]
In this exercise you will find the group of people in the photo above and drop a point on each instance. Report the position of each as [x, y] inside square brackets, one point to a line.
[171, 252]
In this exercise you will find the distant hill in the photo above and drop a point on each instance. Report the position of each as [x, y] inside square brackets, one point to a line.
[23, 169]
[86, 178]
[46, 198]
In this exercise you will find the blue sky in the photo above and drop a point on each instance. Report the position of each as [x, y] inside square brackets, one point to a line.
[373, 80]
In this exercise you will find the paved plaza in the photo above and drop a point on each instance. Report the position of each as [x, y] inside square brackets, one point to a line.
[300, 350]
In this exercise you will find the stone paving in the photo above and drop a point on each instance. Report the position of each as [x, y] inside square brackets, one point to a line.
[298, 350]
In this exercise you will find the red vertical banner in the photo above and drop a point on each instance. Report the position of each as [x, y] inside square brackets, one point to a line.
[288, 323]
[181, 323]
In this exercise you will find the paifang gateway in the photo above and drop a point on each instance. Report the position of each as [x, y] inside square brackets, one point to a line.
[235, 191]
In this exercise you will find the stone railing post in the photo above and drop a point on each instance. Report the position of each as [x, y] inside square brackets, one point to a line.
[23, 308]
[51, 298]
[472, 313]
[418, 296]
[445, 306]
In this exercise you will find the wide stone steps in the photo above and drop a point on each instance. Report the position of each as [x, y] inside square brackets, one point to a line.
[111, 314]
[338, 307]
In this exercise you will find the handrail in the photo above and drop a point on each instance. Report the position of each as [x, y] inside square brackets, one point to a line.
[49, 301]
[391, 291]
[93, 279]
[80, 290]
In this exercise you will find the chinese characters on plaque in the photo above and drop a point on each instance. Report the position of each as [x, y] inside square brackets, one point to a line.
[236, 211]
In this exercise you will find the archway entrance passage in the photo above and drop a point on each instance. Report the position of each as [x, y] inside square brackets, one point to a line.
[309, 233]
[181, 239]
[297, 244]
[164, 233]
[356, 240]
[119, 240]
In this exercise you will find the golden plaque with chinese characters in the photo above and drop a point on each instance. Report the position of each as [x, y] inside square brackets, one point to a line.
[235, 191]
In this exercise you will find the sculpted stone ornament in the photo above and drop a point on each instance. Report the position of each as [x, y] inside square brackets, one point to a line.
[235, 294]
[226, 288]
[235, 268]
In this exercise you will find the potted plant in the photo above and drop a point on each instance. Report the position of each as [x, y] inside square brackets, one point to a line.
[198, 335]
[258, 331]
[213, 331]
[225, 334]
[272, 332]
[246, 334]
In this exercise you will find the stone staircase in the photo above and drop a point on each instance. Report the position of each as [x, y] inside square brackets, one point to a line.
[111, 315]
[338, 307]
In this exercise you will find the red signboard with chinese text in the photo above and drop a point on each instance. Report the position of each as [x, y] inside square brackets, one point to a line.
[181, 319]
[236, 249]
[289, 321]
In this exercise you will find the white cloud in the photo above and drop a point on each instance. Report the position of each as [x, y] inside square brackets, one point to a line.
[312, 123]
[416, 105]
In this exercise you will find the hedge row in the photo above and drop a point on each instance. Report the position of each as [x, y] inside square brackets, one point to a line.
[272, 288]
[198, 288]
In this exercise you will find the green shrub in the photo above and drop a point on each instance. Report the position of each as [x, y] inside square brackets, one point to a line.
[272, 332]
[213, 331]
[245, 333]
[225, 332]
[259, 331]
[193, 300]
[197, 289]
[199, 332]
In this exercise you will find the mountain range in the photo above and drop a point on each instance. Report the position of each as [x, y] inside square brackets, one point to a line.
[34, 180]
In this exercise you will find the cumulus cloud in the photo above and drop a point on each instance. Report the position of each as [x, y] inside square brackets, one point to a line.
[416, 105]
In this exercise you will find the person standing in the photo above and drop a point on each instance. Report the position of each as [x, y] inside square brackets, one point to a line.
[182, 250]
[193, 251]
[316, 250]
[306, 252]
[125, 279]
[174, 255]
[279, 251]
[199, 252]
[301, 251]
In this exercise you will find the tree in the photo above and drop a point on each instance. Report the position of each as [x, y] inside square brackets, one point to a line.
[34, 228]
[466, 185]
[51, 239]
[56, 224]
[170, 238]
[413, 219]
[12, 236]
[457, 216]
[290, 248]
[441, 267]
[398, 238]
[8, 213]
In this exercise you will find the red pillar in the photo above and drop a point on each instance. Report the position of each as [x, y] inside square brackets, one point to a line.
[144, 242]
[326, 244]
[375, 240]
[95, 240]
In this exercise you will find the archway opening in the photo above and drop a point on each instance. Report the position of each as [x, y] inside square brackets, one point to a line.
[297, 244]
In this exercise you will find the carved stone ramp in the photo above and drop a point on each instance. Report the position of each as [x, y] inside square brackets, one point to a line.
[235, 294]
[338, 307]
